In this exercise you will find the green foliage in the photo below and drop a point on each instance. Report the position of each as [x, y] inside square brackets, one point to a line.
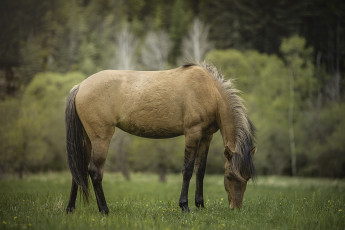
[264, 82]
[145, 155]
[65, 36]
[180, 19]
[153, 155]
[299, 61]
[35, 136]
[330, 154]
[324, 141]
[8, 116]
[39, 202]
[75, 35]
[215, 158]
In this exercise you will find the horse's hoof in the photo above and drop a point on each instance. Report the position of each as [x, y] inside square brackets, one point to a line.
[185, 209]
[184, 206]
[104, 210]
[70, 209]
[199, 205]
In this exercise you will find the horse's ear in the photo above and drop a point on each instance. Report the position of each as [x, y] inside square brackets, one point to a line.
[227, 153]
[253, 151]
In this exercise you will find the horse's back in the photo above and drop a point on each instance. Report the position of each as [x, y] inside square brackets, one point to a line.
[154, 104]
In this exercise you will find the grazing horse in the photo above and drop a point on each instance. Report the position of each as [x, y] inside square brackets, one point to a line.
[192, 100]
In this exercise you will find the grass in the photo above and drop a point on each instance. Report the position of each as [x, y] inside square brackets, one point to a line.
[39, 202]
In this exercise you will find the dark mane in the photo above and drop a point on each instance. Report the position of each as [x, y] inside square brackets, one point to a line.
[241, 163]
[188, 65]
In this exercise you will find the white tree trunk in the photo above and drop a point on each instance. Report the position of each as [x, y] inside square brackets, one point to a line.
[196, 44]
[125, 48]
[156, 50]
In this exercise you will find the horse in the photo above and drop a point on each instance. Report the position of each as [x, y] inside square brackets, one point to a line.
[194, 100]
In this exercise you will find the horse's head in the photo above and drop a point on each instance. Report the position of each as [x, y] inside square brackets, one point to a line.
[239, 169]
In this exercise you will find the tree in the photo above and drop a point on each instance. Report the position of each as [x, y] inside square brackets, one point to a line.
[180, 18]
[156, 50]
[158, 156]
[35, 137]
[263, 80]
[301, 81]
[196, 44]
[126, 45]
[328, 148]
[118, 160]
[8, 116]
[17, 25]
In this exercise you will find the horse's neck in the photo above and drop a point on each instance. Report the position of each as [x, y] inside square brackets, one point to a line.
[226, 123]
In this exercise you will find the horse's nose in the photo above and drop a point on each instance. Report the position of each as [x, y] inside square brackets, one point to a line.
[234, 204]
[231, 206]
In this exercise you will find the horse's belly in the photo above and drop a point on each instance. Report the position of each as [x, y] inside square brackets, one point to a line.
[151, 130]
[151, 115]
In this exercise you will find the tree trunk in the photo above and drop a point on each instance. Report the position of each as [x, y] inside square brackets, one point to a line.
[162, 173]
[123, 161]
[291, 125]
[125, 167]
[21, 170]
[337, 76]
[22, 161]
[121, 154]
[162, 165]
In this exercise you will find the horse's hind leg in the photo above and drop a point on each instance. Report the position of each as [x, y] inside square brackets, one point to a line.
[96, 169]
[192, 143]
[74, 187]
[72, 197]
[200, 167]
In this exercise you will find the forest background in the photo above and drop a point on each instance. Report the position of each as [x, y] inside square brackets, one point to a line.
[287, 56]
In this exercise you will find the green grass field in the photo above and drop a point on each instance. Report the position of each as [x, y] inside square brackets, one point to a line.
[39, 202]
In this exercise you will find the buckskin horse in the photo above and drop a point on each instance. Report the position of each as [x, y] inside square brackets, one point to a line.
[194, 100]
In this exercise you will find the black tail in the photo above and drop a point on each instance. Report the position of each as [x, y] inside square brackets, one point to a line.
[76, 145]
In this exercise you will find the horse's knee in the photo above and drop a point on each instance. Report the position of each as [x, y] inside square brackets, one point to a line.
[99, 155]
[96, 174]
[99, 151]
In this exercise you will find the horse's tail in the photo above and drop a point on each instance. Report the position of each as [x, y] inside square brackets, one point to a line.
[76, 144]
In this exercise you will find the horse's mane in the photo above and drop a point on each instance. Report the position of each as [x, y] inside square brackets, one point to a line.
[242, 163]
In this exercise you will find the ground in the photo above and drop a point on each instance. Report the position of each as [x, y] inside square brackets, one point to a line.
[39, 202]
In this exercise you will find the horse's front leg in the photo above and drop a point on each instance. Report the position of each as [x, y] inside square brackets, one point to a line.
[191, 147]
[200, 166]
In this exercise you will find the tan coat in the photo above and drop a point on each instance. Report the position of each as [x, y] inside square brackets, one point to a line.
[159, 104]
[193, 100]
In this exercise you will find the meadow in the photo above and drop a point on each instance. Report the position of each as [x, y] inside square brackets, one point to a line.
[39, 202]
